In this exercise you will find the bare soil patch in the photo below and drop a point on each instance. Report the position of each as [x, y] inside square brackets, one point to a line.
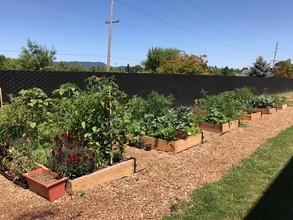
[162, 178]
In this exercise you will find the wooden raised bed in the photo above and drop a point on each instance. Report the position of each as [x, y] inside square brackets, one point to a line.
[264, 110]
[281, 107]
[222, 128]
[251, 117]
[111, 173]
[173, 146]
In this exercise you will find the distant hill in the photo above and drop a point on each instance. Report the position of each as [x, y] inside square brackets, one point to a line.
[86, 64]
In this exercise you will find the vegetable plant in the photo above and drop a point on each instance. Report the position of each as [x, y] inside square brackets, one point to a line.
[262, 102]
[97, 112]
[278, 100]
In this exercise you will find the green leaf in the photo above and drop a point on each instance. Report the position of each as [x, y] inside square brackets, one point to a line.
[33, 124]
[83, 125]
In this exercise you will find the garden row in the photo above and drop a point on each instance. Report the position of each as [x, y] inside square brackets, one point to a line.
[78, 136]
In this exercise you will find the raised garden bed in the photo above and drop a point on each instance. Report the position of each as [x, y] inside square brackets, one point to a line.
[111, 173]
[221, 128]
[281, 107]
[173, 146]
[264, 110]
[251, 117]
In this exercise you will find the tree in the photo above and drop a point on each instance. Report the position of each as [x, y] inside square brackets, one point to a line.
[36, 57]
[133, 69]
[283, 69]
[260, 68]
[185, 64]
[158, 56]
[226, 71]
[8, 63]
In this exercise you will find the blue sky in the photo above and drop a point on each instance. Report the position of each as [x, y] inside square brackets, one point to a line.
[230, 32]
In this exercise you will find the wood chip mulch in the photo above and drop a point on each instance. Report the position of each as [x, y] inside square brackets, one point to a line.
[162, 179]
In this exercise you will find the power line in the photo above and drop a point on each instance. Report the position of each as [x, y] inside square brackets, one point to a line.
[221, 20]
[183, 29]
[206, 25]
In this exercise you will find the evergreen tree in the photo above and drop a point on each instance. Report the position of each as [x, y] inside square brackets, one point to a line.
[260, 68]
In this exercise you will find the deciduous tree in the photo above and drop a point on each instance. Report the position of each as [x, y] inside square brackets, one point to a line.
[283, 69]
[158, 56]
[186, 64]
[36, 57]
[8, 63]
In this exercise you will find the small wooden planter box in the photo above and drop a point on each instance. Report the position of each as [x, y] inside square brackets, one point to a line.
[264, 110]
[173, 146]
[281, 107]
[251, 117]
[222, 128]
[111, 173]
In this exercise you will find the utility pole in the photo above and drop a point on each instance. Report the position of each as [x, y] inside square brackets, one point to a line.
[275, 55]
[110, 22]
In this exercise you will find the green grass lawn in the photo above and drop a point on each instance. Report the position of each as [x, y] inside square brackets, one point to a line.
[261, 188]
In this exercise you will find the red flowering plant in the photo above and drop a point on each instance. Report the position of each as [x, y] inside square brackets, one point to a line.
[71, 157]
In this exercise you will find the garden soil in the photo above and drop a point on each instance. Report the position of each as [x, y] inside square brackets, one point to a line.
[162, 179]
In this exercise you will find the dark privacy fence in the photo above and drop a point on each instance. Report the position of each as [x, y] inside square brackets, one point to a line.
[184, 88]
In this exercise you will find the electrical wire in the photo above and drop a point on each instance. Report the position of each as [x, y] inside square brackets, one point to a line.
[224, 22]
[206, 25]
[183, 29]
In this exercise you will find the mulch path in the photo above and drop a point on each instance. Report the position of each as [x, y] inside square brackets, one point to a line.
[162, 179]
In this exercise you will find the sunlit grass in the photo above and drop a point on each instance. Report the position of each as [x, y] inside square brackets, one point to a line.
[235, 195]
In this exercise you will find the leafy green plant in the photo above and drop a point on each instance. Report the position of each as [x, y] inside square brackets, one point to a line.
[243, 97]
[19, 159]
[229, 104]
[216, 117]
[262, 102]
[176, 124]
[278, 100]
[222, 103]
[97, 111]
